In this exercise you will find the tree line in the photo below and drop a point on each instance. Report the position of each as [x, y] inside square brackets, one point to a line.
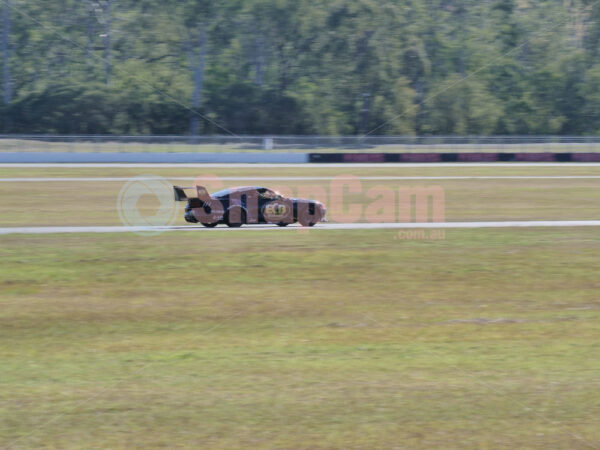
[332, 67]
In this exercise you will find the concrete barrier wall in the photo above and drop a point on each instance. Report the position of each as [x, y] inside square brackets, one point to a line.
[451, 157]
[288, 158]
[164, 158]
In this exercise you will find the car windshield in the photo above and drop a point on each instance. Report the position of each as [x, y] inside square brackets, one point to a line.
[264, 193]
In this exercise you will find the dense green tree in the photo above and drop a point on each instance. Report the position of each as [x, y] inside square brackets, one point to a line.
[301, 66]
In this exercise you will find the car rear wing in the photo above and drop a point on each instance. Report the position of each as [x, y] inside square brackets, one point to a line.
[181, 196]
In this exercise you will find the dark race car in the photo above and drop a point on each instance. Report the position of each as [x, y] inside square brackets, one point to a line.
[248, 205]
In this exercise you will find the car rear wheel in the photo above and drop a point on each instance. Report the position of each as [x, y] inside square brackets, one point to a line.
[282, 224]
[210, 225]
[241, 216]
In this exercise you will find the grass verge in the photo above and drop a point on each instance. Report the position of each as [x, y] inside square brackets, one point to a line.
[487, 339]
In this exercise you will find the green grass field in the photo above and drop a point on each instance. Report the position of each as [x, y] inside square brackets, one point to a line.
[19, 145]
[326, 339]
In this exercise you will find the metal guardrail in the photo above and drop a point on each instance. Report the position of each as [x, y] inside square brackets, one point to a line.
[17, 143]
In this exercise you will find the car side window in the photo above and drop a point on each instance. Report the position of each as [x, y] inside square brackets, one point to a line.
[268, 195]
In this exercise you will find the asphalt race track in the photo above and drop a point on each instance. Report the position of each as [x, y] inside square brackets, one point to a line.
[391, 178]
[324, 227]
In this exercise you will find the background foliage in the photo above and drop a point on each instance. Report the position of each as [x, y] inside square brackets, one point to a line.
[301, 66]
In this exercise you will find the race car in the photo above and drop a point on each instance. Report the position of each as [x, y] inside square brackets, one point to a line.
[248, 205]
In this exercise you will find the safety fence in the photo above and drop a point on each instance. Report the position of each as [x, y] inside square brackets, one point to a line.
[370, 144]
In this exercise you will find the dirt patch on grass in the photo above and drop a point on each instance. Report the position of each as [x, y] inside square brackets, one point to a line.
[503, 320]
